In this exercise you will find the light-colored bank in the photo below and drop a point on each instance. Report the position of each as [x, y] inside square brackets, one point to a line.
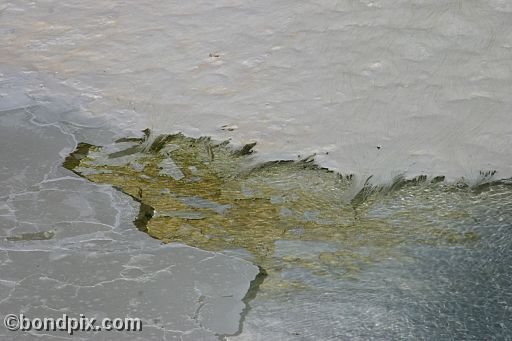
[427, 82]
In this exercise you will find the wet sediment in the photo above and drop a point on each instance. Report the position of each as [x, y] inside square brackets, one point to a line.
[209, 195]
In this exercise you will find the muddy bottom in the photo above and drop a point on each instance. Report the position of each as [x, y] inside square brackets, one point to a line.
[210, 195]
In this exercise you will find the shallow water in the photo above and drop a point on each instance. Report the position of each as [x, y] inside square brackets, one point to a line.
[418, 259]
[433, 289]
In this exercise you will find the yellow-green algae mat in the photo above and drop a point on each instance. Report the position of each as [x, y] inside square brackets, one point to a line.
[211, 196]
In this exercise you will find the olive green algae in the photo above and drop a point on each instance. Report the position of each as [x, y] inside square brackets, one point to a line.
[210, 195]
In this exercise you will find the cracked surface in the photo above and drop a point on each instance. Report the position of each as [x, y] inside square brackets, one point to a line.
[69, 246]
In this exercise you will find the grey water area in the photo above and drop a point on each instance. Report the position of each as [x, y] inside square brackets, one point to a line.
[69, 246]
[423, 292]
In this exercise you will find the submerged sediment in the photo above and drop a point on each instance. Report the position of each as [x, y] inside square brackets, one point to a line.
[209, 195]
